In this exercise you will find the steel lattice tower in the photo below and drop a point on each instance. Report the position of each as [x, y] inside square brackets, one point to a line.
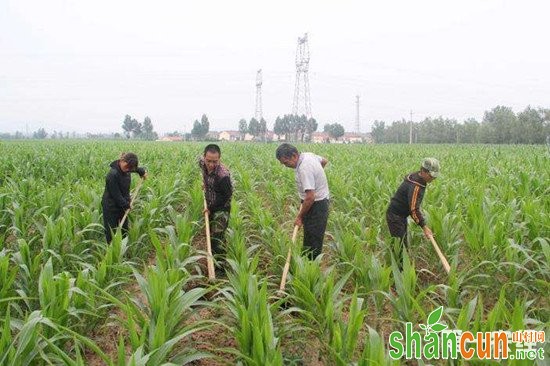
[259, 114]
[302, 102]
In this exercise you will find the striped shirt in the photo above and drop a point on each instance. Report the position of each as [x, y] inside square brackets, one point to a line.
[406, 201]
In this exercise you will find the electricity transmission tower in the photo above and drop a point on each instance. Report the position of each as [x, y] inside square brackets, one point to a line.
[302, 102]
[357, 119]
[258, 114]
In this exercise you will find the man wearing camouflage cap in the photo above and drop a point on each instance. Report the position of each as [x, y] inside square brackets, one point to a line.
[406, 202]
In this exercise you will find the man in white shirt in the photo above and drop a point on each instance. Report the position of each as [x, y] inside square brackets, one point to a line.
[314, 194]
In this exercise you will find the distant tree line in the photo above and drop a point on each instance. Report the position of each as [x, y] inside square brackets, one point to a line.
[254, 127]
[39, 134]
[499, 126]
[42, 134]
[295, 127]
[334, 130]
[137, 130]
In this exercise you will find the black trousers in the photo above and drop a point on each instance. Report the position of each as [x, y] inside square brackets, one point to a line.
[111, 220]
[219, 221]
[315, 224]
[398, 229]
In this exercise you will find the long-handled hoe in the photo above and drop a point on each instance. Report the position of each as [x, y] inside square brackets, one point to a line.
[132, 199]
[209, 260]
[287, 263]
[440, 255]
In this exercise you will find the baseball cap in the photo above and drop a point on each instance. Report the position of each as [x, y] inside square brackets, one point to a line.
[432, 166]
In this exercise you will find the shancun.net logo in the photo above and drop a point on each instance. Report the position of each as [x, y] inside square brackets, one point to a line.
[439, 342]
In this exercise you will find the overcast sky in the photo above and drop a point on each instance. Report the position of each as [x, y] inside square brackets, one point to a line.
[83, 65]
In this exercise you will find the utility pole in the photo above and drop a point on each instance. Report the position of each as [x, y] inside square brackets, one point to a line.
[302, 101]
[357, 119]
[259, 114]
[411, 129]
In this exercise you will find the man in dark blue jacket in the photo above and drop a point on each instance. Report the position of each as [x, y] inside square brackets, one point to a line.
[116, 197]
[406, 202]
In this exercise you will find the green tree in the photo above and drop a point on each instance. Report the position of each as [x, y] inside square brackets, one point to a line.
[545, 112]
[40, 134]
[243, 128]
[254, 127]
[205, 125]
[148, 132]
[469, 131]
[299, 127]
[132, 127]
[196, 131]
[398, 132]
[311, 126]
[530, 126]
[263, 128]
[200, 129]
[137, 130]
[283, 126]
[497, 125]
[335, 130]
[377, 131]
[292, 124]
[278, 127]
[127, 126]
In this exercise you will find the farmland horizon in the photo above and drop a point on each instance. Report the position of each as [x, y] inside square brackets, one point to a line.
[81, 66]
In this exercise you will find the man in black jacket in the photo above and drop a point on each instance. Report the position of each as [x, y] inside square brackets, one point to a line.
[116, 197]
[406, 202]
[218, 190]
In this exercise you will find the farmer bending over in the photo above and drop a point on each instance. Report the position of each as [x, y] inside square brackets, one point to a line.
[116, 198]
[313, 191]
[406, 201]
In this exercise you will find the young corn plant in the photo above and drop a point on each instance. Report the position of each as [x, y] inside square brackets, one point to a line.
[31, 345]
[344, 336]
[54, 294]
[253, 326]
[8, 274]
[168, 305]
[374, 352]
[30, 266]
[407, 302]
[379, 279]
[113, 267]
[318, 296]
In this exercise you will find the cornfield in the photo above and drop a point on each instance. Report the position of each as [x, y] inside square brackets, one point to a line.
[68, 298]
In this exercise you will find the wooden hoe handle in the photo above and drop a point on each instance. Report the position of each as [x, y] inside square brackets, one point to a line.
[136, 191]
[209, 260]
[440, 255]
[287, 263]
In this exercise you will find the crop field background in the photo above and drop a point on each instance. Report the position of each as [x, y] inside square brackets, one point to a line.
[68, 298]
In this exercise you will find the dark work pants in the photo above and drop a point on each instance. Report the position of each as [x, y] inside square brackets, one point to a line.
[398, 229]
[219, 221]
[111, 220]
[315, 224]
